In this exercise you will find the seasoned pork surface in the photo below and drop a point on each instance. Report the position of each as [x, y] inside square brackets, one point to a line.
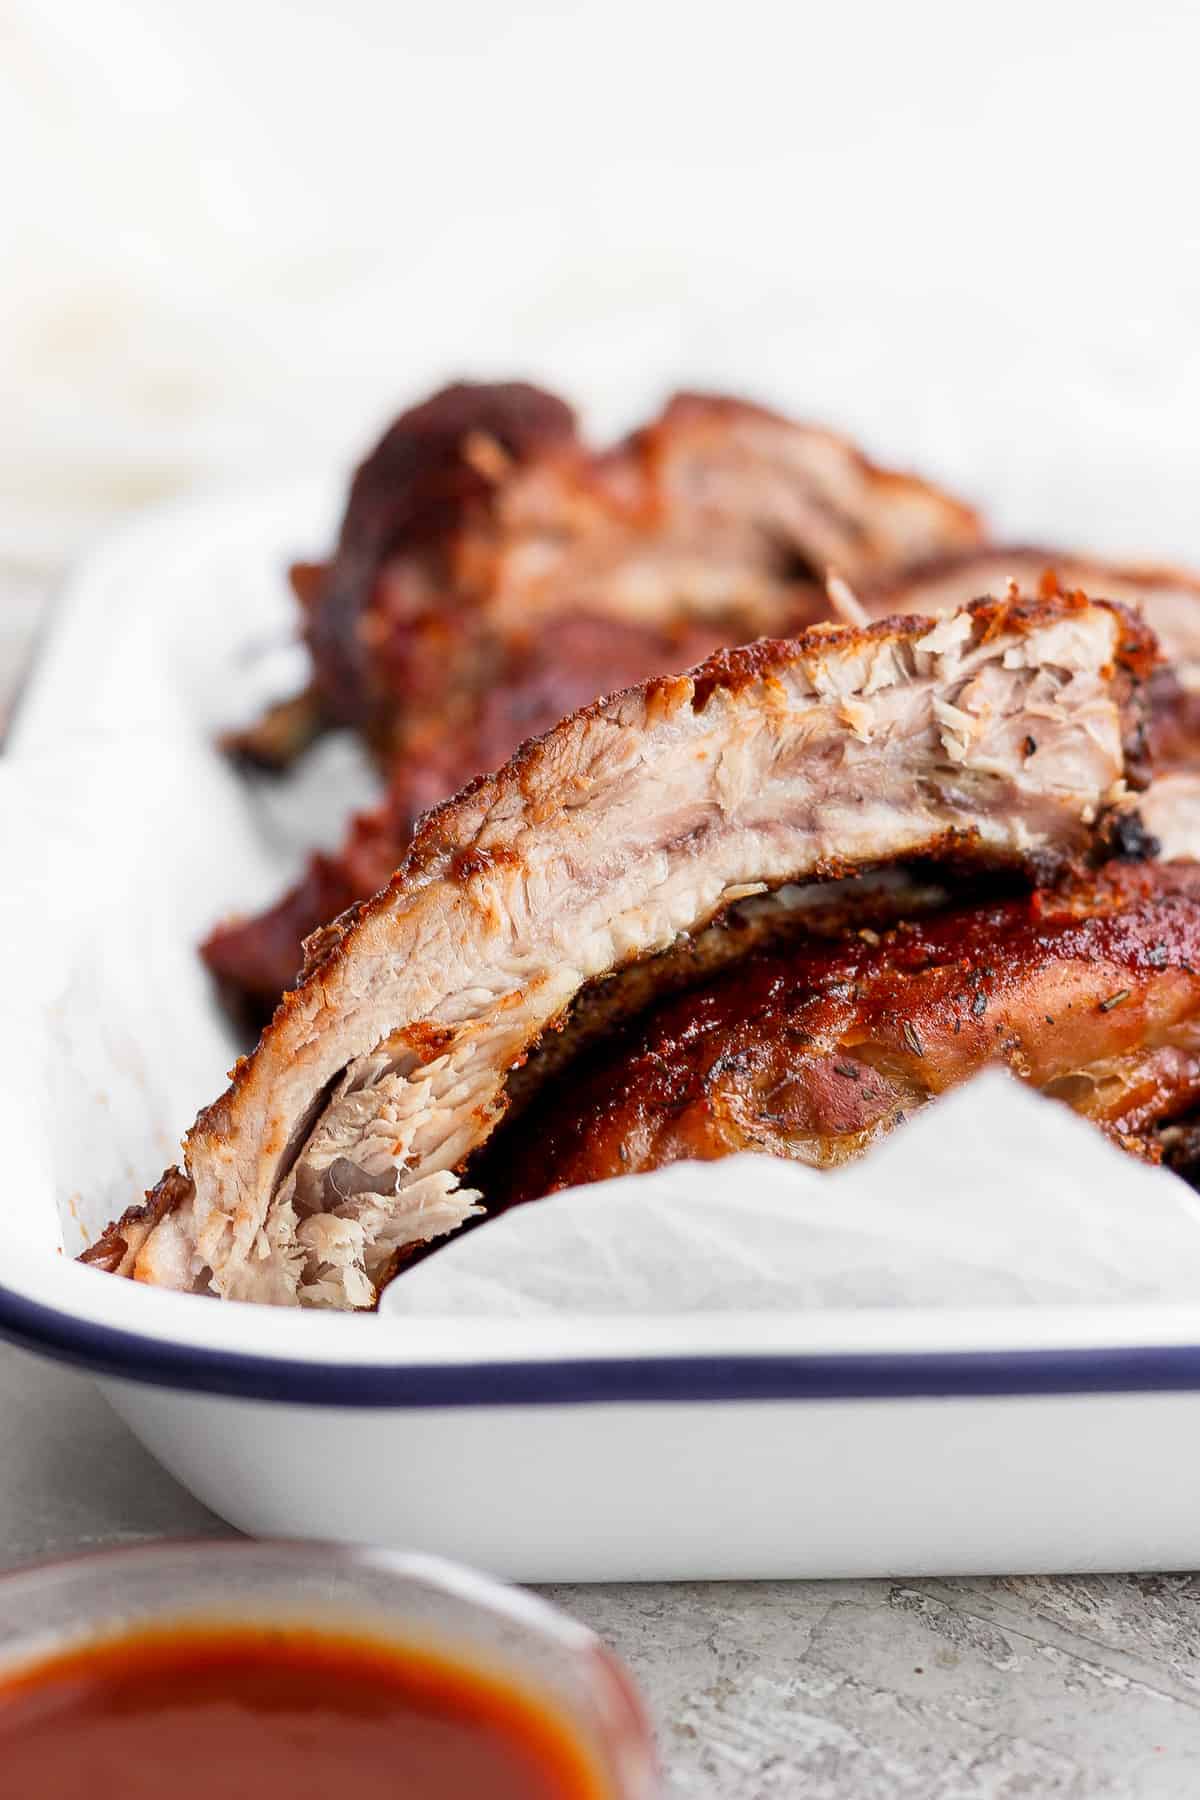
[493, 574]
[813, 1048]
[994, 736]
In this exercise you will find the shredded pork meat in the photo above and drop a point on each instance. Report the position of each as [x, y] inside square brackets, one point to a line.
[1167, 598]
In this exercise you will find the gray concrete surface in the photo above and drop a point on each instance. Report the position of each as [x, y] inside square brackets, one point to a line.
[861, 1690]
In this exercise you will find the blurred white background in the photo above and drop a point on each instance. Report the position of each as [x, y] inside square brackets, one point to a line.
[237, 233]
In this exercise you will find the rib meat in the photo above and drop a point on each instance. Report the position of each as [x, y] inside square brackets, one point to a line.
[573, 659]
[815, 1047]
[993, 736]
[1169, 814]
[1167, 598]
[493, 575]
[483, 507]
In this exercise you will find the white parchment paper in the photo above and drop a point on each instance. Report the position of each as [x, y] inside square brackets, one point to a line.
[125, 835]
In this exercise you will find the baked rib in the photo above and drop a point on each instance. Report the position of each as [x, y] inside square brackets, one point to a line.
[494, 574]
[814, 1047]
[994, 738]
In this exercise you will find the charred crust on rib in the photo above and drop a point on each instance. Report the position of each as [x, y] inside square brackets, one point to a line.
[1126, 836]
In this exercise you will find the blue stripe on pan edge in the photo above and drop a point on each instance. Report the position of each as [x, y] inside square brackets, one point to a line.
[595, 1380]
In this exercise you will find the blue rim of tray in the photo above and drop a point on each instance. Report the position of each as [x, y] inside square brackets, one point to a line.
[583, 1381]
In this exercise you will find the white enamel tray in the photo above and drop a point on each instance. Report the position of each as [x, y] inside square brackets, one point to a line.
[840, 1442]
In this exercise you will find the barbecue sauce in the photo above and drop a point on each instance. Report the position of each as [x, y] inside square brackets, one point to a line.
[252, 1713]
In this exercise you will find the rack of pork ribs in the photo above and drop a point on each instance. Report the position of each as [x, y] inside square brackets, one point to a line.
[493, 574]
[777, 902]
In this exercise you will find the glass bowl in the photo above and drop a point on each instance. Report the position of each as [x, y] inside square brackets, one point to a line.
[412, 1602]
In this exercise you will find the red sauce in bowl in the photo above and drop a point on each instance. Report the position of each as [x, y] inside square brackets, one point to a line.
[256, 1713]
